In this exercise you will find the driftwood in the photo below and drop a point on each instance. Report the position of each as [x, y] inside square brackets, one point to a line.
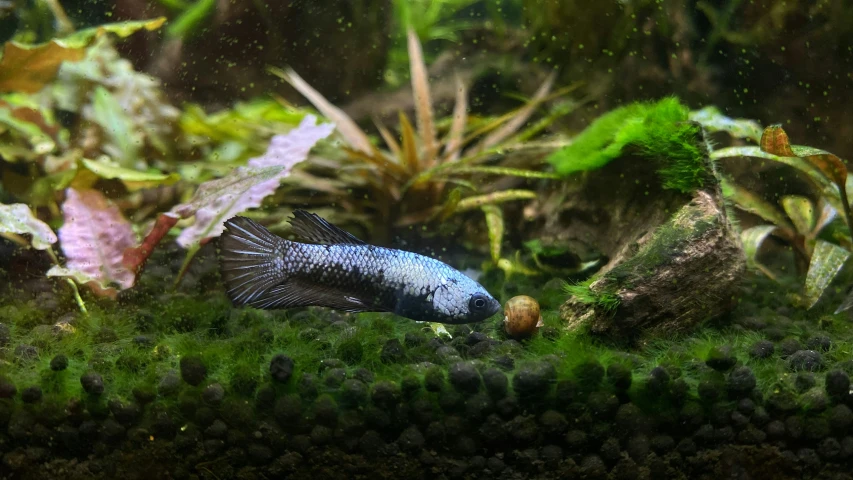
[673, 259]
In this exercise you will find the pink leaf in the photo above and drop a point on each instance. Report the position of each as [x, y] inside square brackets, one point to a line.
[246, 187]
[94, 238]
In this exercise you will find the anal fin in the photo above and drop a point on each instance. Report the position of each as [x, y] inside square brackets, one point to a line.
[297, 293]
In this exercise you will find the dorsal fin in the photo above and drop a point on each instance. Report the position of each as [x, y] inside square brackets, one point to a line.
[312, 227]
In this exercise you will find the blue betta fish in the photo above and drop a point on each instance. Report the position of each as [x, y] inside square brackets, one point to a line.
[337, 270]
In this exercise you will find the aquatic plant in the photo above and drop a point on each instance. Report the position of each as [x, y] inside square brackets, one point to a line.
[409, 183]
[657, 131]
[801, 220]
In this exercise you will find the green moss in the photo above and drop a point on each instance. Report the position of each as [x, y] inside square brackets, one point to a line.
[582, 292]
[659, 131]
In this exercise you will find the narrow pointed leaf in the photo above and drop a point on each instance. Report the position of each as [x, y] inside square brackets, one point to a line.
[801, 212]
[19, 219]
[460, 119]
[495, 225]
[351, 132]
[389, 139]
[519, 118]
[505, 171]
[827, 260]
[423, 100]
[410, 152]
[494, 198]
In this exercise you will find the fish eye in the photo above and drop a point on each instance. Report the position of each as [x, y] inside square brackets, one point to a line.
[478, 302]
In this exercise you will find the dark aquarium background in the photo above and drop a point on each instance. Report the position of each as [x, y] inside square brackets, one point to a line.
[656, 191]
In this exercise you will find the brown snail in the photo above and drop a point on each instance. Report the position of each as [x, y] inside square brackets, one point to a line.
[521, 316]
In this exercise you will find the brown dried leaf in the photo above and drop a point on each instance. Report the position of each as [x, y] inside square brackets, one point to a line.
[423, 100]
[460, 119]
[354, 135]
[27, 69]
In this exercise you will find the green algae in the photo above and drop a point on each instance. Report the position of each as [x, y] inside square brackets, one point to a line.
[659, 132]
[237, 352]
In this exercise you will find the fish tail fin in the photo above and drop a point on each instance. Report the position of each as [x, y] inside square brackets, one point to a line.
[251, 259]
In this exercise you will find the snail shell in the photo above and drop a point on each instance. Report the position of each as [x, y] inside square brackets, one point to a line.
[521, 316]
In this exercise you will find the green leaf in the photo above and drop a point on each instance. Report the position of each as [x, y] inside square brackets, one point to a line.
[452, 169]
[714, 121]
[132, 179]
[495, 225]
[801, 212]
[18, 219]
[494, 198]
[27, 68]
[752, 238]
[83, 38]
[827, 260]
[118, 127]
[750, 202]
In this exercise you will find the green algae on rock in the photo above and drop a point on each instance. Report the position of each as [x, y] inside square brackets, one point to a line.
[672, 268]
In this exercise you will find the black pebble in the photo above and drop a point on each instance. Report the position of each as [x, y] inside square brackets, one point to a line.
[741, 381]
[762, 349]
[821, 343]
[31, 394]
[5, 335]
[589, 373]
[414, 339]
[553, 423]
[721, 358]
[789, 346]
[353, 393]
[496, 382]
[193, 370]
[363, 374]
[213, 394]
[59, 363]
[386, 394]
[335, 377]
[392, 351]
[804, 381]
[475, 338]
[411, 439]
[658, 380]
[837, 383]
[808, 360]
[504, 362]
[464, 377]
[7, 389]
[619, 376]
[434, 380]
[169, 384]
[92, 383]
[534, 379]
[281, 368]
[840, 417]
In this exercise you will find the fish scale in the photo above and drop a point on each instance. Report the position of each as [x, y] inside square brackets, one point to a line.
[340, 271]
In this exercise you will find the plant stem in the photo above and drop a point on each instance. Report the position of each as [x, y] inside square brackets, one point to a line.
[65, 25]
[74, 289]
[190, 254]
